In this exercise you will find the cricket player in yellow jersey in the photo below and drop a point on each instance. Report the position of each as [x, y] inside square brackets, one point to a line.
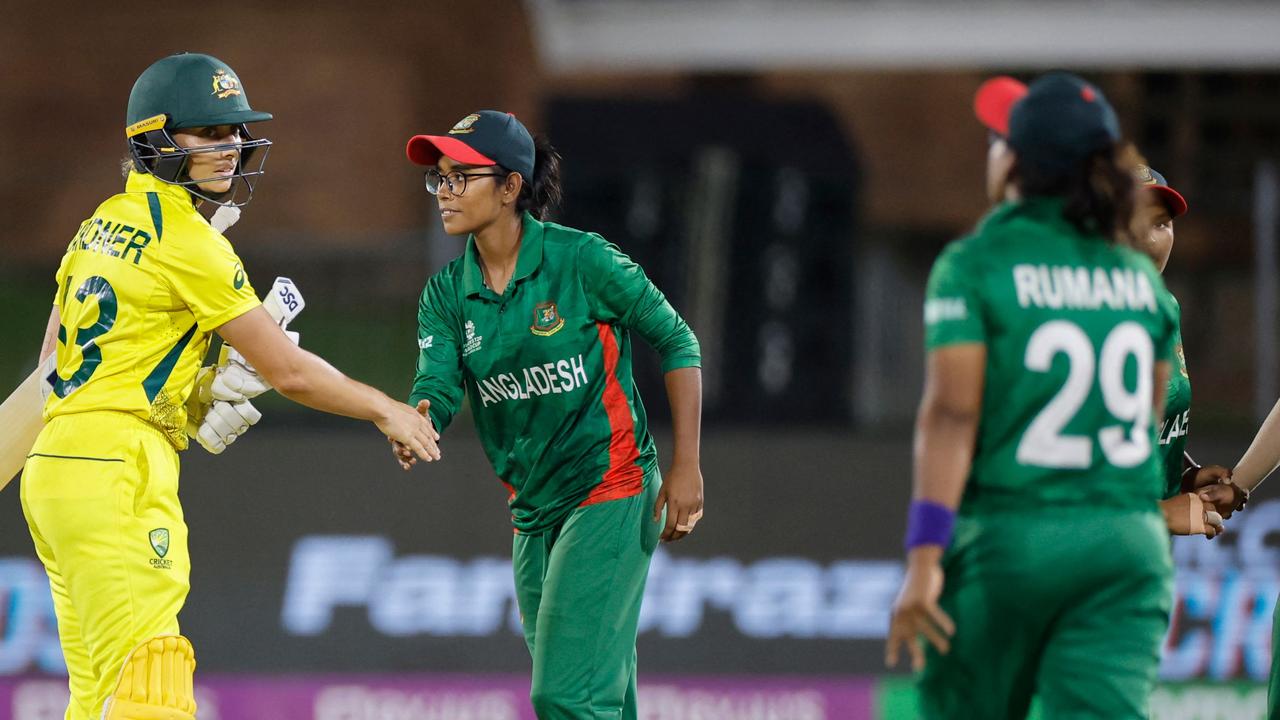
[143, 284]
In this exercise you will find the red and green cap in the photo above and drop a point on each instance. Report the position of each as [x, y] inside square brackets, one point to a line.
[1154, 181]
[994, 101]
[487, 137]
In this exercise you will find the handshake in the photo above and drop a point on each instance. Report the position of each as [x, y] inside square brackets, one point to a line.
[1208, 498]
[219, 411]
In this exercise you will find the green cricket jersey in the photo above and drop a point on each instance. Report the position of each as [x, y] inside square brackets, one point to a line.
[1073, 326]
[1172, 438]
[547, 368]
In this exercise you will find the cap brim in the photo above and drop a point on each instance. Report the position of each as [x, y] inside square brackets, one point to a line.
[427, 149]
[1172, 199]
[995, 100]
[239, 117]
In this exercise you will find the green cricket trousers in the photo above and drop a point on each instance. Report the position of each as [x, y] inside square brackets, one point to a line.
[579, 588]
[1068, 604]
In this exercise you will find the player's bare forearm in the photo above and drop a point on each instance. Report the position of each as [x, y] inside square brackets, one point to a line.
[922, 555]
[299, 375]
[684, 392]
[1263, 455]
[313, 382]
[681, 492]
[947, 423]
[307, 379]
[50, 343]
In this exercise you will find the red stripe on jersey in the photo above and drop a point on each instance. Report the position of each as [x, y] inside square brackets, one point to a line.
[624, 478]
[511, 495]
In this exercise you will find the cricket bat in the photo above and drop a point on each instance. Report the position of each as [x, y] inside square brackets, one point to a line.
[21, 419]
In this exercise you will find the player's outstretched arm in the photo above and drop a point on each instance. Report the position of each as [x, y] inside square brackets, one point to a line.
[307, 379]
[946, 430]
[1263, 455]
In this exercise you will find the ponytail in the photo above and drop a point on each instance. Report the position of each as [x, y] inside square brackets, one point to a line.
[542, 193]
[1098, 191]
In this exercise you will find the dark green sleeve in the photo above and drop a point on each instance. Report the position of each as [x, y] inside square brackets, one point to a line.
[439, 376]
[953, 312]
[619, 293]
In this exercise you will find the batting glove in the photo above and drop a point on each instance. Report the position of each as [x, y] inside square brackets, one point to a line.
[224, 423]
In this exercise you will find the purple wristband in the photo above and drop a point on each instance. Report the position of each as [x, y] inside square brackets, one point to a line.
[929, 523]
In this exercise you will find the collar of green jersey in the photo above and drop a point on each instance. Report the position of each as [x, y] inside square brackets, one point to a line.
[147, 183]
[529, 259]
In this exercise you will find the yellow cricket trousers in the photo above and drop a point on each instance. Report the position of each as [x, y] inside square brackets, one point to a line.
[100, 494]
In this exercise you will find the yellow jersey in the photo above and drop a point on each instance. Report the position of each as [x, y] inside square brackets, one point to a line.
[141, 287]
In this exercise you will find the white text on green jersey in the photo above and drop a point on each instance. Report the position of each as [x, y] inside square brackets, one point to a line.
[1083, 288]
[549, 378]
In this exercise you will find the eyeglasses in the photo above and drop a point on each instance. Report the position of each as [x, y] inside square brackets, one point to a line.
[456, 181]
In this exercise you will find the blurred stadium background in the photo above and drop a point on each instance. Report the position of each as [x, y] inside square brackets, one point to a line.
[786, 171]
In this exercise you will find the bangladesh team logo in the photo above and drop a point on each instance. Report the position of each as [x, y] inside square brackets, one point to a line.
[160, 541]
[546, 320]
[225, 85]
[464, 125]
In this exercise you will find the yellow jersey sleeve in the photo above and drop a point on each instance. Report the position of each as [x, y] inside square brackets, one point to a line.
[204, 271]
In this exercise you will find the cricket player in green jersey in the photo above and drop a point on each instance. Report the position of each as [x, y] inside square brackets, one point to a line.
[1151, 231]
[1049, 348]
[533, 323]
[1157, 205]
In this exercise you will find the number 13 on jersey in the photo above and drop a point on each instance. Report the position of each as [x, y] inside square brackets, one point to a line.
[86, 337]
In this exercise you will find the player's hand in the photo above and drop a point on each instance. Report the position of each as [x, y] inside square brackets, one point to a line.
[916, 612]
[404, 455]
[1213, 484]
[1188, 514]
[410, 428]
[224, 423]
[681, 495]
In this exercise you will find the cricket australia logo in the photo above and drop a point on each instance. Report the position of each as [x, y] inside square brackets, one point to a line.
[472, 343]
[546, 320]
[225, 85]
[160, 543]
